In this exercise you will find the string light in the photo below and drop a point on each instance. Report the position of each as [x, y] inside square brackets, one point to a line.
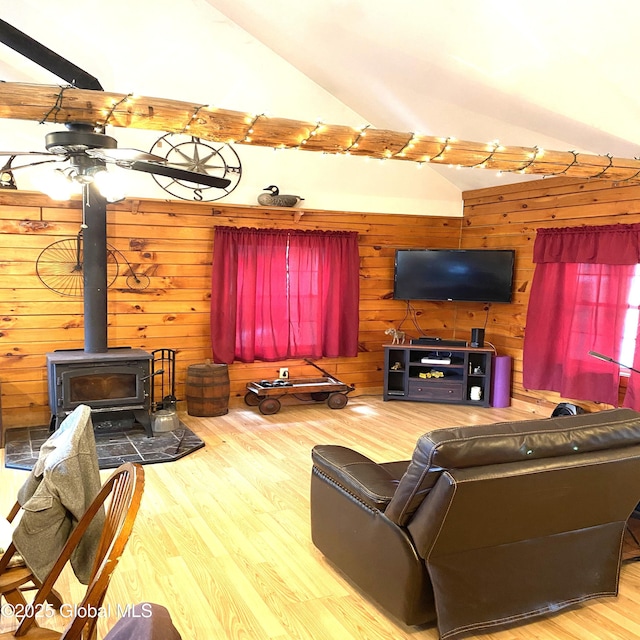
[57, 105]
[114, 106]
[598, 175]
[573, 162]
[252, 122]
[634, 176]
[194, 115]
[483, 163]
[361, 132]
[412, 139]
[533, 156]
[311, 133]
[445, 147]
[409, 144]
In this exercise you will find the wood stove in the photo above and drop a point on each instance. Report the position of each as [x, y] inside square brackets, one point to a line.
[116, 384]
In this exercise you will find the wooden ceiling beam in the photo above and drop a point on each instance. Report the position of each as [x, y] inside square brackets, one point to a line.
[55, 104]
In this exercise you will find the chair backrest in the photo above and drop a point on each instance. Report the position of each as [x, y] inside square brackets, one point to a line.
[121, 494]
[521, 518]
[507, 442]
[64, 480]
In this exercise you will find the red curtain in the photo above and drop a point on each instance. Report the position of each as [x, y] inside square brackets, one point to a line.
[578, 303]
[606, 244]
[280, 294]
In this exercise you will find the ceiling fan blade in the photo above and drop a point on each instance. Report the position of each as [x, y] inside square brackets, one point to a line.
[47, 59]
[33, 164]
[180, 174]
[24, 153]
[124, 155]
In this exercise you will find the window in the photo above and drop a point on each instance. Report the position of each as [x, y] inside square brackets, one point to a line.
[584, 297]
[280, 294]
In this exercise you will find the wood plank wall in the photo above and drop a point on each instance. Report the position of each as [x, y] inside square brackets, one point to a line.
[171, 242]
[508, 217]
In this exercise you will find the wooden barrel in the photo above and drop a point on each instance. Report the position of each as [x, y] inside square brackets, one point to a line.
[207, 389]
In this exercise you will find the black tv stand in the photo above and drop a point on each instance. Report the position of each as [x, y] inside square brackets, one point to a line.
[424, 373]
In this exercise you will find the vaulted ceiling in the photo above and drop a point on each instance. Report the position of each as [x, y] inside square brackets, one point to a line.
[549, 74]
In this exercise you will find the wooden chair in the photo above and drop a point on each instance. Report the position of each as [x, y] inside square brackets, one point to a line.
[122, 492]
[73, 435]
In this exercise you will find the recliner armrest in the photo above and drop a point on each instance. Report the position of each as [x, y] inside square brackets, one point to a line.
[368, 481]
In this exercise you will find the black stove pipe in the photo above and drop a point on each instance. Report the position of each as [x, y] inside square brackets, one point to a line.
[94, 240]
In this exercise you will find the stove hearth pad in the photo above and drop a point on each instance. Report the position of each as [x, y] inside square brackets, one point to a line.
[115, 445]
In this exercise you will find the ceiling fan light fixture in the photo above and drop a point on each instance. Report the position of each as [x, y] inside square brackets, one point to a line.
[7, 181]
[81, 177]
[109, 185]
[59, 185]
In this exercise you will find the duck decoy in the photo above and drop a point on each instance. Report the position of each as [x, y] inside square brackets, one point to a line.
[276, 199]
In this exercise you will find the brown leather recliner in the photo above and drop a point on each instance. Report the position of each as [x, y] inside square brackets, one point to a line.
[485, 525]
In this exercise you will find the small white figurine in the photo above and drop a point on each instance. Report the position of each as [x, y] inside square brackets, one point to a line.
[398, 336]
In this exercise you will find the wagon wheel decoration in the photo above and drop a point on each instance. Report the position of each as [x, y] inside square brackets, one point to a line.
[60, 268]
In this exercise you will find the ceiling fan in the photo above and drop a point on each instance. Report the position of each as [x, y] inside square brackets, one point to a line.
[84, 149]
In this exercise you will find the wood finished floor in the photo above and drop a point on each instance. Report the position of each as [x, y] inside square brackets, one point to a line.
[223, 541]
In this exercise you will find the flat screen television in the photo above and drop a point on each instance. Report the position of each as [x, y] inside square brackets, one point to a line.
[473, 275]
